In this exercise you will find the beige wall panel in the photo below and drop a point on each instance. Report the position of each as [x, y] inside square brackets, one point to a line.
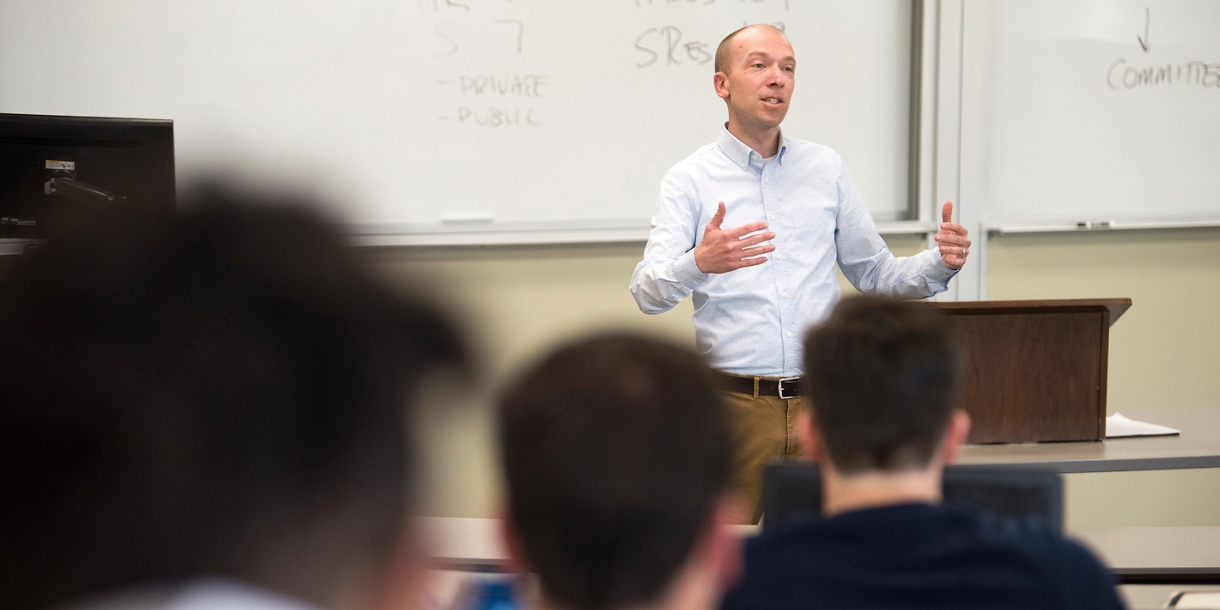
[1164, 352]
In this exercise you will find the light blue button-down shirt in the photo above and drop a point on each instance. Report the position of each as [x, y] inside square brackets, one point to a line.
[751, 321]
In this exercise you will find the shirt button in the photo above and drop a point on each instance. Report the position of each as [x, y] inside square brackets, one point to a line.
[789, 333]
[771, 217]
[779, 256]
[784, 294]
[766, 180]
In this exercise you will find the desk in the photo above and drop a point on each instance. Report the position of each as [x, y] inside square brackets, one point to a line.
[1156, 555]
[1136, 554]
[456, 543]
[460, 543]
[1155, 596]
[1145, 555]
[1197, 447]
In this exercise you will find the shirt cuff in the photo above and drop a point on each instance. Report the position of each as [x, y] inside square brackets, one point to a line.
[688, 272]
[940, 271]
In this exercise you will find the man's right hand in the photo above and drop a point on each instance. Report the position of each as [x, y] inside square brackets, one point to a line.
[723, 250]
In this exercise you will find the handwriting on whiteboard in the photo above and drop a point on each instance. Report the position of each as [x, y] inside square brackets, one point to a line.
[1122, 76]
[483, 35]
[495, 86]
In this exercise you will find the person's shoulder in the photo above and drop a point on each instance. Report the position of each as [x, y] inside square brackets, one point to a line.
[812, 152]
[694, 161]
[1032, 532]
[682, 180]
[782, 568]
[1083, 580]
[1087, 582]
[1067, 566]
[806, 146]
[1028, 541]
[798, 538]
[1032, 535]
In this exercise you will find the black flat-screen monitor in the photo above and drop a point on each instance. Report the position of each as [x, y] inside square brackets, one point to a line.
[56, 171]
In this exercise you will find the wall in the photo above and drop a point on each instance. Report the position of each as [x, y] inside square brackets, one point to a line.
[517, 301]
[1164, 351]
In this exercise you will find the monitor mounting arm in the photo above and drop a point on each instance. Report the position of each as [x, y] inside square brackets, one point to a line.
[80, 192]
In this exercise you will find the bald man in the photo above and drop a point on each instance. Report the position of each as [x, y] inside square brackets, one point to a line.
[752, 226]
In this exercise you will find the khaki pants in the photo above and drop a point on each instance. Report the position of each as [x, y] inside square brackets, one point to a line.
[763, 431]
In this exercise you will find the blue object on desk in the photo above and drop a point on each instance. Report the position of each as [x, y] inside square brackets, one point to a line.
[494, 594]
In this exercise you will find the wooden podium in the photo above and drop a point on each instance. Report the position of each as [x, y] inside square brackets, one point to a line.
[1036, 370]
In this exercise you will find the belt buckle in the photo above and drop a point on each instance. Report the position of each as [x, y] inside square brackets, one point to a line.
[779, 386]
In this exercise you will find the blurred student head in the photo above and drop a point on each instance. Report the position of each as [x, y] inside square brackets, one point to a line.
[616, 455]
[883, 378]
[219, 394]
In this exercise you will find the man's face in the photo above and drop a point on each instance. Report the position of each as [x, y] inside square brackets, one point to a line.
[758, 86]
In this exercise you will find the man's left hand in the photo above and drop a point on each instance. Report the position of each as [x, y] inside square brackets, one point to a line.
[954, 245]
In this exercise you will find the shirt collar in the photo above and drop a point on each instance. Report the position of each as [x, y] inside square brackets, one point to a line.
[739, 153]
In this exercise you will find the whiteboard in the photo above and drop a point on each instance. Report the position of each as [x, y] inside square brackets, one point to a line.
[433, 120]
[1104, 110]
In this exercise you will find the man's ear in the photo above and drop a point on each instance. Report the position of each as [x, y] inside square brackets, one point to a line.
[720, 82]
[809, 435]
[511, 540]
[955, 435]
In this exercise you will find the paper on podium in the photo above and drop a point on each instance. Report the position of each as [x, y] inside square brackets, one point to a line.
[1118, 426]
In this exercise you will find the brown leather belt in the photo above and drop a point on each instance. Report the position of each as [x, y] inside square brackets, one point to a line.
[786, 387]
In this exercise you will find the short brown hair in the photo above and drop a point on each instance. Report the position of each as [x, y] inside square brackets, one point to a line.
[883, 378]
[616, 451]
